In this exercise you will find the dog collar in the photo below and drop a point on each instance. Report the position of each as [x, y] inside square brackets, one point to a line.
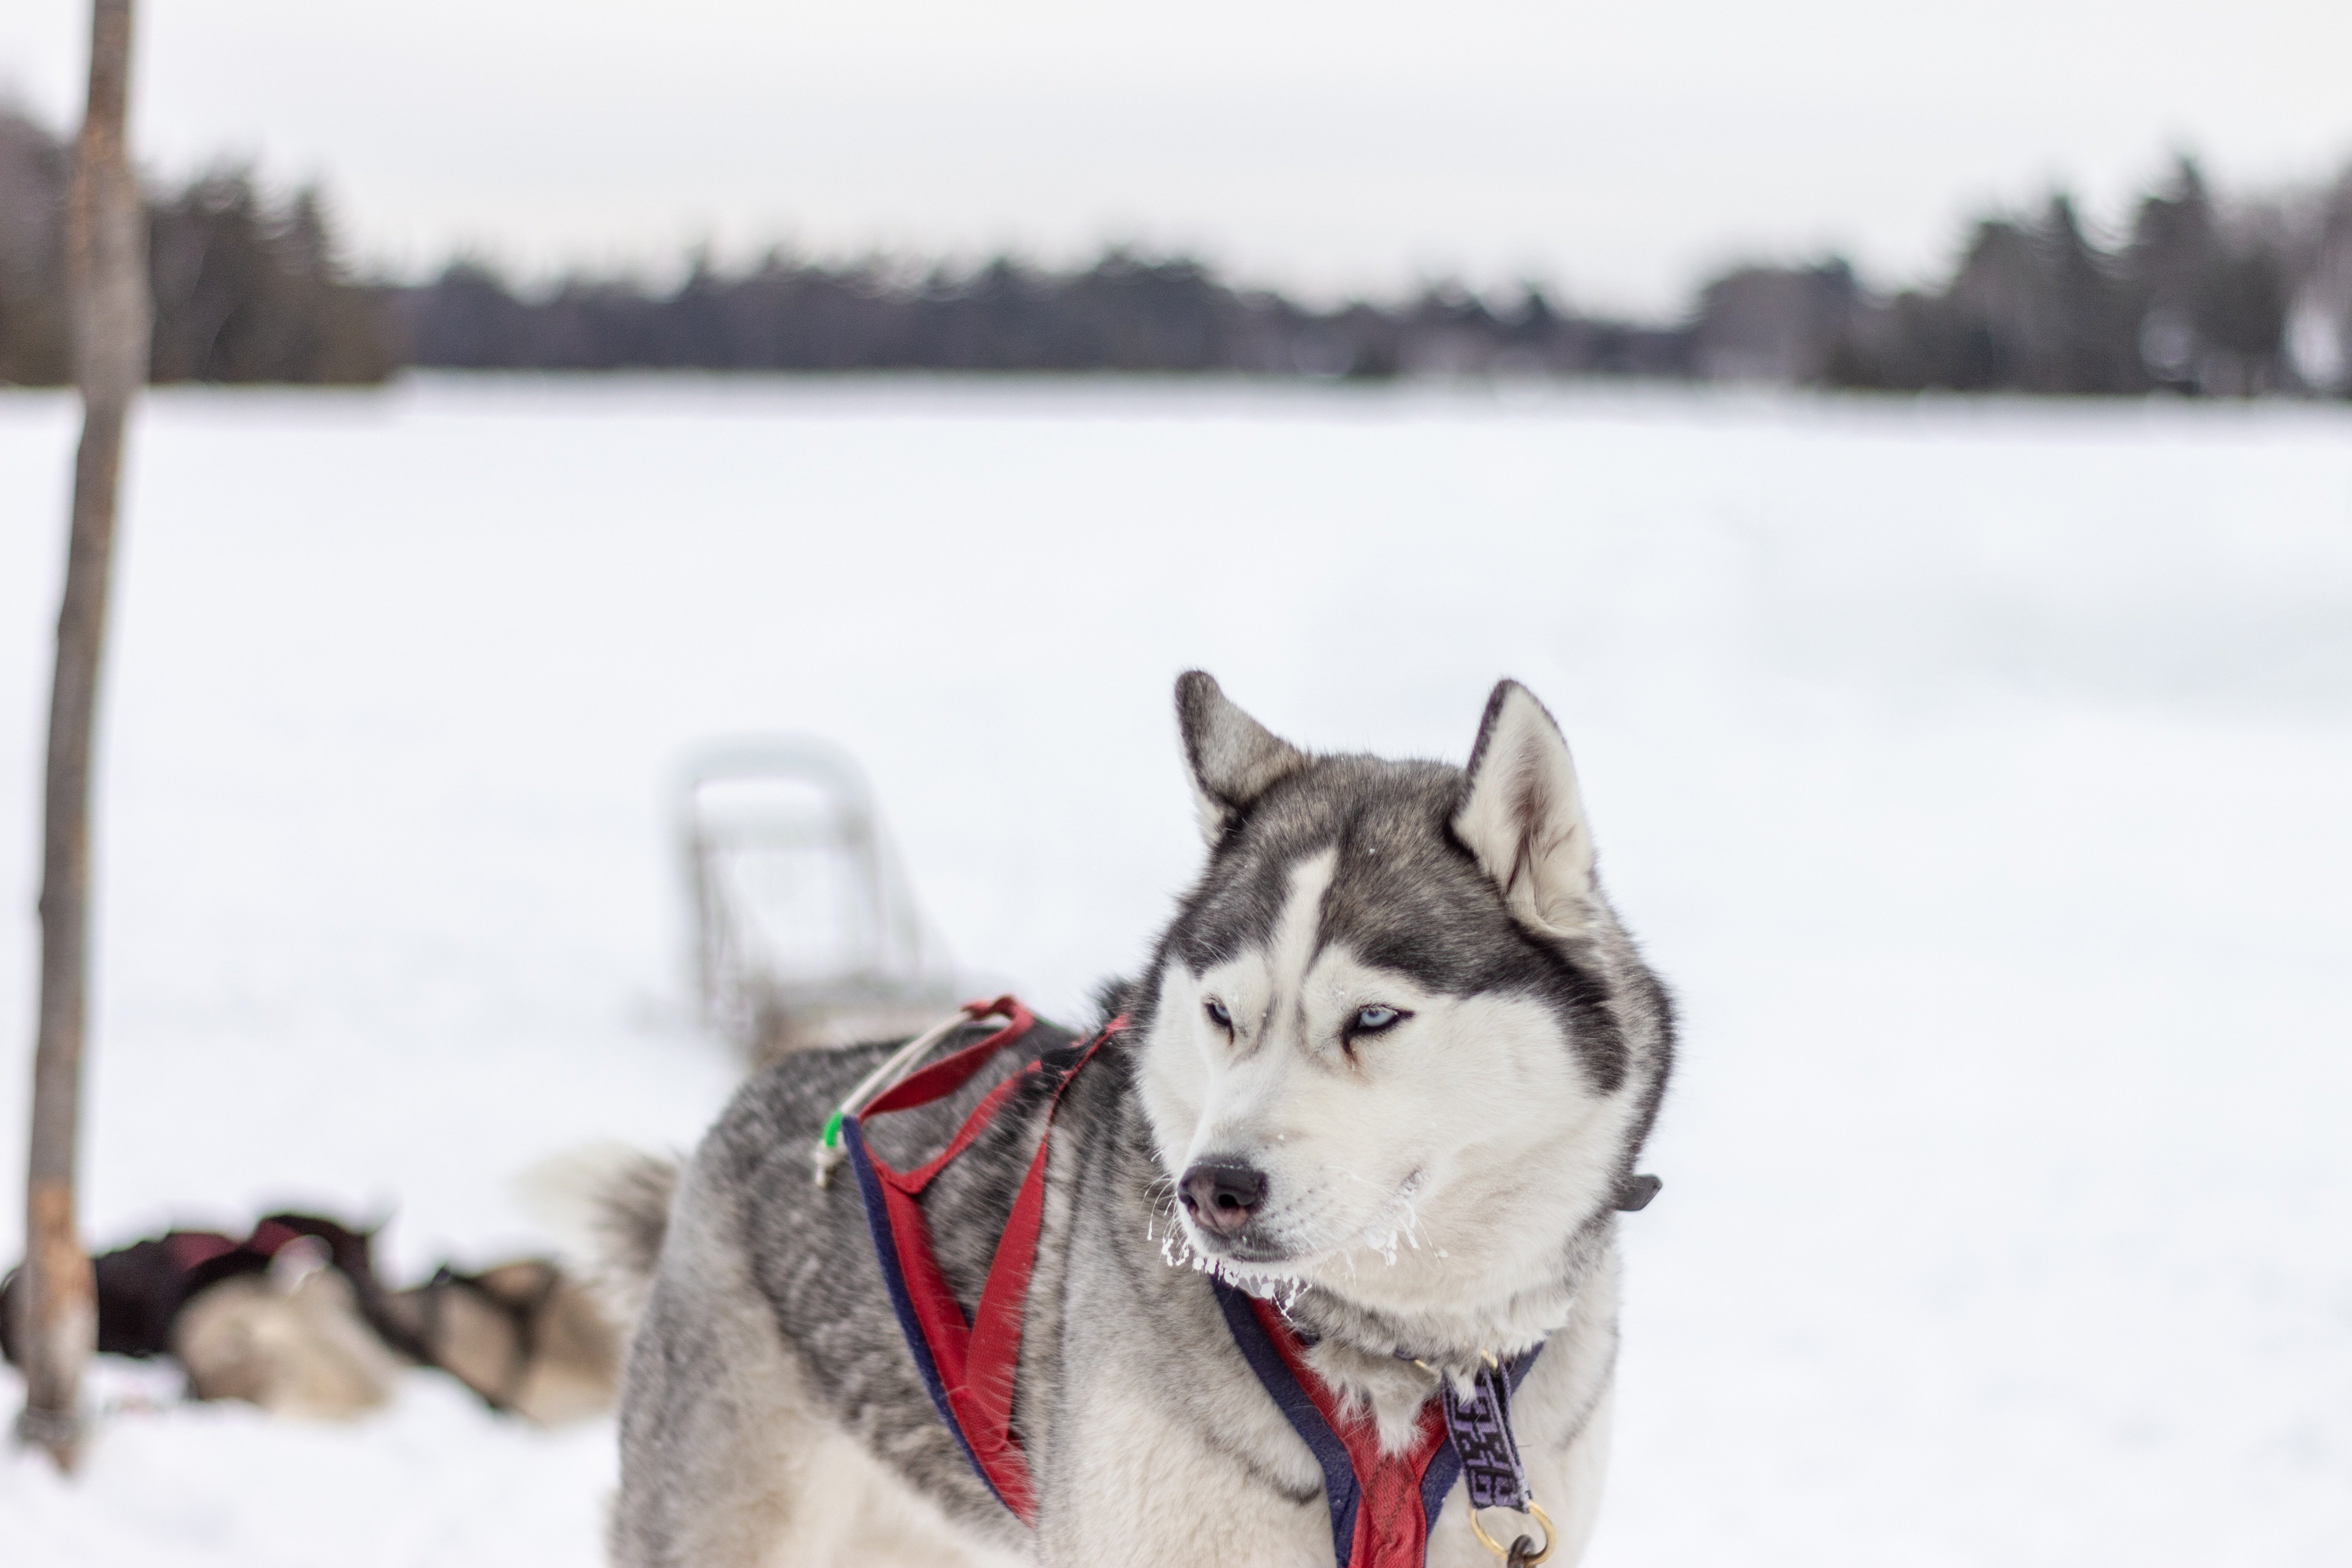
[1634, 1193]
[1382, 1505]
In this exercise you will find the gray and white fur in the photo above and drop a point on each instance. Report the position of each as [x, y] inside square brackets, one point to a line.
[1391, 1065]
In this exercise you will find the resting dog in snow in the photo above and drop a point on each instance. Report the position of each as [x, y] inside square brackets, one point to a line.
[294, 1318]
[1344, 1172]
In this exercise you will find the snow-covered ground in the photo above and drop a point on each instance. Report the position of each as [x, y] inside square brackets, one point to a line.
[1978, 773]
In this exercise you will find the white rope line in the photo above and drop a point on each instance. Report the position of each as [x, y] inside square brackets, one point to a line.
[829, 1151]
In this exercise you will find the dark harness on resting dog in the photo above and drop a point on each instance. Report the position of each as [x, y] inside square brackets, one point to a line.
[1382, 1505]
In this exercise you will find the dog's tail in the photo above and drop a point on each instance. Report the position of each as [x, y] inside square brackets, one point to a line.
[608, 1205]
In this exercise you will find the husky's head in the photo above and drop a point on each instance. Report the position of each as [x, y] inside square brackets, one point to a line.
[1395, 1045]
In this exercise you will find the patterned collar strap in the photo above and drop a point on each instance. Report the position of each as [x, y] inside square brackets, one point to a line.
[1480, 1430]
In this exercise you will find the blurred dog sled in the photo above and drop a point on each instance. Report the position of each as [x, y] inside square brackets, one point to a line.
[805, 931]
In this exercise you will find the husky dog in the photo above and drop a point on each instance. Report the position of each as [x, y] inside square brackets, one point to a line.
[1390, 1067]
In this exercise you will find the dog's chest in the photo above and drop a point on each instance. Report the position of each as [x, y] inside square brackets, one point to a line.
[1211, 1475]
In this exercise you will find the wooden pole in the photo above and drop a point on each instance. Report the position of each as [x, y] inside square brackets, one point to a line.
[106, 269]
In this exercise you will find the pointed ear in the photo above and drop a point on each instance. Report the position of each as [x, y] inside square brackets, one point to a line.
[1233, 757]
[1523, 816]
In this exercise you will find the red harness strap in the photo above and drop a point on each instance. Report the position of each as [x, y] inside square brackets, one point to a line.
[1392, 1528]
[968, 1364]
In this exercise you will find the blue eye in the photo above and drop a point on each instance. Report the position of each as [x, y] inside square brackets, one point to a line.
[1217, 1014]
[1373, 1019]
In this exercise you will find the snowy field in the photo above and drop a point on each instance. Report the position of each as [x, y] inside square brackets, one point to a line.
[1978, 773]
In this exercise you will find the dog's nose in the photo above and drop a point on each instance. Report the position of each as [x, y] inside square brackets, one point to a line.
[1222, 1195]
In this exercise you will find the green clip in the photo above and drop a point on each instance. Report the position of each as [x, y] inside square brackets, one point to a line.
[832, 1139]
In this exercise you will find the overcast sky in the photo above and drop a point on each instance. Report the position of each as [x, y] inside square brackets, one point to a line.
[1619, 150]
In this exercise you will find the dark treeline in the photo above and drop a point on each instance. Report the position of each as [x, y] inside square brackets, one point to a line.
[1126, 312]
[2202, 294]
[245, 290]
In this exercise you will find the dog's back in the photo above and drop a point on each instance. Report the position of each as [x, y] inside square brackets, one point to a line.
[768, 1379]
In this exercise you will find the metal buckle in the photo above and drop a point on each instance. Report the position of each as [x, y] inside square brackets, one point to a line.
[1511, 1553]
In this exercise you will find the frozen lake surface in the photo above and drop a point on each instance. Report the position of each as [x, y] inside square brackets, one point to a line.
[1977, 773]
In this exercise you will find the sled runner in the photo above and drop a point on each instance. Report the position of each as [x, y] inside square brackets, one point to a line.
[804, 932]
